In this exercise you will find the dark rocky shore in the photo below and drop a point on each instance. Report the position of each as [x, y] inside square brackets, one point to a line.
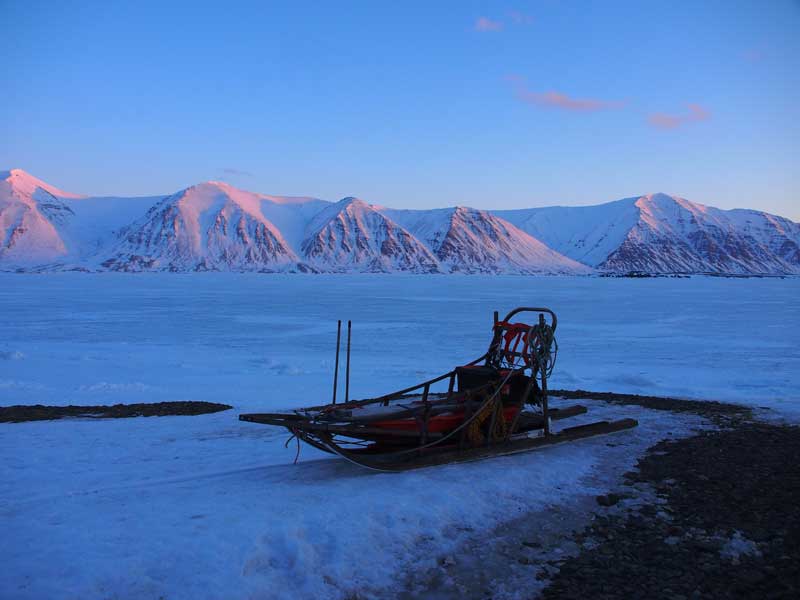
[724, 522]
[711, 515]
[39, 412]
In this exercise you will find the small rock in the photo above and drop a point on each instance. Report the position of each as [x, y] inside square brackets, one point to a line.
[608, 499]
[674, 530]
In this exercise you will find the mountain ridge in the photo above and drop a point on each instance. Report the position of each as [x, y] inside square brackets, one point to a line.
[352, 235]
[205, 227]
[468, 240]
[658, 233]
[216, 226]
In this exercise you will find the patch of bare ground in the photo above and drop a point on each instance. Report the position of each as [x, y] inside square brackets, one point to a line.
[713, 515]
[721, 413]
[39, 412]
[725, 522]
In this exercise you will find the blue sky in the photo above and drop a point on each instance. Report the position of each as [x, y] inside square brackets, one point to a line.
[409, 104]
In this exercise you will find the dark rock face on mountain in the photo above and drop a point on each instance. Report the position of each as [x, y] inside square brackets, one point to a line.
[676, 236]
[658, 233]
[352, 235]
[216, 227]
[208, 227]
[466, 240]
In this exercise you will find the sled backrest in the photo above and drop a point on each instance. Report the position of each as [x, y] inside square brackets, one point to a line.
[512, 345]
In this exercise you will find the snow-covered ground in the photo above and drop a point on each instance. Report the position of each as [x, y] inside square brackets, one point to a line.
[209, 507]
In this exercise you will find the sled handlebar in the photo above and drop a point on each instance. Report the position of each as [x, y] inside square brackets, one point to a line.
[553, 319]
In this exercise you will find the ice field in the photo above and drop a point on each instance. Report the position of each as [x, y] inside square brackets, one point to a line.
[255, 342]
[209, 507]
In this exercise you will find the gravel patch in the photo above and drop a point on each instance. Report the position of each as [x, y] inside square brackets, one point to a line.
[724, 523]
[39, 412]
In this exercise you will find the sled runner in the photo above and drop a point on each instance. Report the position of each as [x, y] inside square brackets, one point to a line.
[495, 405]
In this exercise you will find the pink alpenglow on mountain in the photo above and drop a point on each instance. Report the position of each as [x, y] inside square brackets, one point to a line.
[207, 227]
[466, 240]
[31, 213]
[658, 233]
[214, 226]
[352, 236]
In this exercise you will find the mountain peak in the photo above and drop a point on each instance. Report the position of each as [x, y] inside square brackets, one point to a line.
[660, 205]
[658, 196]
[352, 201]
[468, 240]
[208, 226]
[351, 234]
[28, 184]
[210, 187]
[15, 173]
[216, 183]
[31, 213]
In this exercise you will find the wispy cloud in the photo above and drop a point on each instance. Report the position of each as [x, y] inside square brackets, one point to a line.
[559, 100]
[554, 99]
[232, 171]
[667, 121]
[514, 16]
[487, 24]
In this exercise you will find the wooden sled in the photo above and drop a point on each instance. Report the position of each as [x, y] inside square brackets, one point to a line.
[495, 405]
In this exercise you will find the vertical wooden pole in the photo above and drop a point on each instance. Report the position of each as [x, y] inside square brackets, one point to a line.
[347, 371]
[336, 367]
[545, 412]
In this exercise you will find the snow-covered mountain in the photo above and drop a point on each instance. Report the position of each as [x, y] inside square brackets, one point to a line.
[658, 233]
[207, 227]
[587, 234]
[215, 226]
[673, 234]
[32, 215]
[45, 228]
[352, 235]
[466, 240]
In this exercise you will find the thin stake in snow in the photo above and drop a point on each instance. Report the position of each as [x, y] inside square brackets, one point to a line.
[336, 366]
[347, 368]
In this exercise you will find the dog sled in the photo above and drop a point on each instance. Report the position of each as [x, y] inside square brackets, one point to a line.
[495, 405]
